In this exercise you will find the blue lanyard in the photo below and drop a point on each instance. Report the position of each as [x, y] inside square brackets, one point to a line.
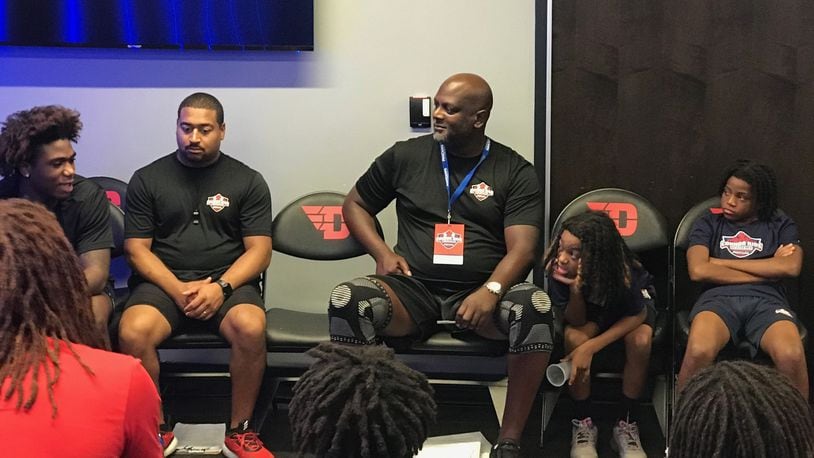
[465, 182]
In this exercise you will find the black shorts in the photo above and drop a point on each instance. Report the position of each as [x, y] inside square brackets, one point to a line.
[149, 294]
[426, 307]
[604, 325]
[746, 317]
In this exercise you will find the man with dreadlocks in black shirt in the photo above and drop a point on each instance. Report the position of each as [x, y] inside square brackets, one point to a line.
[739, 255]
[739, 409]
[360, 402]
[606, 295]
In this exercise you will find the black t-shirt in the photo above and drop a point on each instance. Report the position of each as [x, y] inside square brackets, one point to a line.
[755, 240]
[503, 192]
[636, 297]
[84, 215]
[197, 217]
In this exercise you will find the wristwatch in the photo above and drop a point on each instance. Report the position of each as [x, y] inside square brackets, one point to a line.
[226, 287]
[494, 288]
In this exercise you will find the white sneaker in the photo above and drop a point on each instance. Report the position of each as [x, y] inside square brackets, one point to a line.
[583, 438]
[626, 440]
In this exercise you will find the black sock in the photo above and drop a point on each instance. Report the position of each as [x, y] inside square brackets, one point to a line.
[242, 426]
[582, 409]
[627, 409]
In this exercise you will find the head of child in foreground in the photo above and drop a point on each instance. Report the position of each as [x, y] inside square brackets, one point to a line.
[360, 402]
[588, 252]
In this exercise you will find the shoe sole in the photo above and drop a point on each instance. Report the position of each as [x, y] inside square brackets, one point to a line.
[228, 453]
[615, 447]
[170, 449]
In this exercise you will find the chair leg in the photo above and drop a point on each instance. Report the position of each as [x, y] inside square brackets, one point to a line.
[550, 398]
[660, 399]
[265, 401]
[497, 391]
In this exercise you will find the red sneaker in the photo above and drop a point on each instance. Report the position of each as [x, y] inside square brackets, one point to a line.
[168, 441]
[243, 442]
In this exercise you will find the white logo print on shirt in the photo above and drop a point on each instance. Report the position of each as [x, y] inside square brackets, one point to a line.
[217, 202]
[481, 191]
[741, 245]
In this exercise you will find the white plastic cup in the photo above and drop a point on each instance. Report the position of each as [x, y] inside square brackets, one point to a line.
[558, 374]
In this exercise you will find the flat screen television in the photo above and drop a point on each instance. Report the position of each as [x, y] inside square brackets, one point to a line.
[159, 24]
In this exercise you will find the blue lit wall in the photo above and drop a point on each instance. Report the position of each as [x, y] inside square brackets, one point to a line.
[175, 24]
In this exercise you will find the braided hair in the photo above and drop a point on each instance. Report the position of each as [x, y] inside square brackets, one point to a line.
[44, 300]
[740, 409]
[25, 131]
[763, 182]
[606, 260]
[359, 402]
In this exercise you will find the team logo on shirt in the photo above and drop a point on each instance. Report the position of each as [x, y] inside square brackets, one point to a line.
[448, 239]
[217, 202]
[481, 191]
[741, 245]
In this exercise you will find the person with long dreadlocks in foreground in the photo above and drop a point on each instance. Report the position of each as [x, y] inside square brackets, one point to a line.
[606, 295]
[360, 402]
[62, 393]
[739, 409]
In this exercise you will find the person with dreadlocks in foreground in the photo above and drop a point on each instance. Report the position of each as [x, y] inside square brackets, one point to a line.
[739, 255]
[360, 402]
[606, 295]
[739, 409]
[97, 403]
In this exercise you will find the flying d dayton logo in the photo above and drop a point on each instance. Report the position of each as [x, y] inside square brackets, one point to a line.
[741, 245]
[448, 239]
[217, 202]
[481, 191]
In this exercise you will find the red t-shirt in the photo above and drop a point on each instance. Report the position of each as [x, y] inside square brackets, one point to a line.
[110, 413]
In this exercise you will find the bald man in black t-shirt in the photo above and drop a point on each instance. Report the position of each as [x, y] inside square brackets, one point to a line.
[469, 217]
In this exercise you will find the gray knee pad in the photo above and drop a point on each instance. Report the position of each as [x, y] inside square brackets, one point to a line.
[358, 309]
[524, 315]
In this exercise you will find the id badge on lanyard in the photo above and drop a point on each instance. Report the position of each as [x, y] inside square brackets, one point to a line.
[448, 240]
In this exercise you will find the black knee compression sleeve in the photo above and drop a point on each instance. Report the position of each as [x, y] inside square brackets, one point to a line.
[358, 309]
[525, 316]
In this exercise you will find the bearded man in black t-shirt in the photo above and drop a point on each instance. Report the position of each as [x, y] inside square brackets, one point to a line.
[37, 161]
[469, 217]
[198, 235]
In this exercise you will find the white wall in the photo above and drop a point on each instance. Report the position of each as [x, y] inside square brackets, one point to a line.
[306, 121]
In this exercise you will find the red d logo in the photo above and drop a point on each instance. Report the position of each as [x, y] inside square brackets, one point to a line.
[329, 220]
[623, 214]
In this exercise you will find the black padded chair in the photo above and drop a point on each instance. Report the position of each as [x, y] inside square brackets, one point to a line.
[644, 230]
[312, 228]
[685, 292]
[115, 190]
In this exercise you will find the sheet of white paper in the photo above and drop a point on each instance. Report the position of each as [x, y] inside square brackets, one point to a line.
[464, 445]
[199, 439]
